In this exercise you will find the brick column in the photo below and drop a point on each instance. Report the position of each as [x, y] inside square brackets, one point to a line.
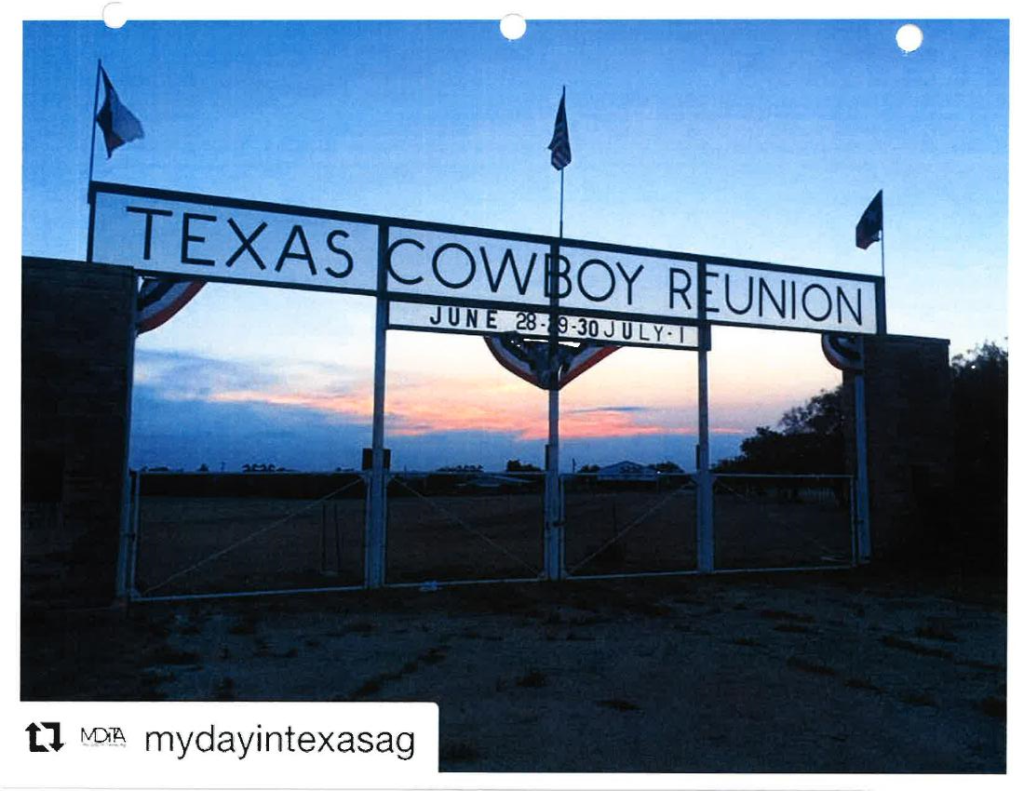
[910, 452]
[76, 369]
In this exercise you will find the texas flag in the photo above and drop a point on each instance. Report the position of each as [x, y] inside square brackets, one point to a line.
[117, 122]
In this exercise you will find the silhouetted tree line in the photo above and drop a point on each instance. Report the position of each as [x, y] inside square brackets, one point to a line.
[809, 439]
[515, 465]
[976, 521]
[967, 521]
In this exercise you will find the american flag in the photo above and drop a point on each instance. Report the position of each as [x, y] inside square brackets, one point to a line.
[561, 154]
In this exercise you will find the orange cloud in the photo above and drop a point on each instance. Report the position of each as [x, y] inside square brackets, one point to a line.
[443, 406]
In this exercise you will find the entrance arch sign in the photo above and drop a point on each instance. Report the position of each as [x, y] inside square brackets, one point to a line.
[452, 278]
[214, 238]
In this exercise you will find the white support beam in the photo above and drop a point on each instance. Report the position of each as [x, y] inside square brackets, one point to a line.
[705, 495]
[375, 562]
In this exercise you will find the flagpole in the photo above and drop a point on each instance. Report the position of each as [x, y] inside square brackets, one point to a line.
[881, 234]
[561, 201]
[554, 563]
[554, 517]
[95, 109]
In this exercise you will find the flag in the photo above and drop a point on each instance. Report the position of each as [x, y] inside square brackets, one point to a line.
[159, 299]
[561, 154]
[869, 229]
[116, 121]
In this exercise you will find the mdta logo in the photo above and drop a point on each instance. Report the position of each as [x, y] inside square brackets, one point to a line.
[103, 737]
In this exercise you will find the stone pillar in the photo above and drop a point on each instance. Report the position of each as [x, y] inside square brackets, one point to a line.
[76, 347]
[908, 388]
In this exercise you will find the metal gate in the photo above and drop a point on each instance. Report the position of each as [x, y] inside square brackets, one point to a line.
[460, 526]
[765, 521]
[206, 535]
[625, 525]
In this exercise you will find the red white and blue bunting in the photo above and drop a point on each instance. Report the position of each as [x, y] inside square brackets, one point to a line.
[160, 298]
[529, 359]
[845, 352]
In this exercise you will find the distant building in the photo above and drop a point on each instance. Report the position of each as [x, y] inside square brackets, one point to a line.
[627, 471]
[490, 481]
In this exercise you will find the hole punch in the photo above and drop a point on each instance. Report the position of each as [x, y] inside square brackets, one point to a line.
[909, 38]
[512, 26]
[114, 15]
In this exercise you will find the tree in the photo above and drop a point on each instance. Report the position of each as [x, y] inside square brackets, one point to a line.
[810, 440]
[821, 415]
[514, 465]
[980, 408]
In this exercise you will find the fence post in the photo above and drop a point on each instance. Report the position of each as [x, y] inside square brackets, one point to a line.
[126, 543]
[133, 564]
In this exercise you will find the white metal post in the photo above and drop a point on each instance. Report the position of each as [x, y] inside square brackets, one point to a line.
[862, 504]
[375, 529]
[554, 565]
[705, 510]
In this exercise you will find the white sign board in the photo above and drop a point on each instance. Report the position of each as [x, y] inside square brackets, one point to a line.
[489, 269]
[210, 238]
[197, 240]
[533, 324]
[785, 299]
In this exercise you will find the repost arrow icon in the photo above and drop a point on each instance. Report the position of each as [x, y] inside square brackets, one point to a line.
[56, 744]
[33, 741]
[33, 744]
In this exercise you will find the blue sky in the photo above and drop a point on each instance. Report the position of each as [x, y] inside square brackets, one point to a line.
[760, 140]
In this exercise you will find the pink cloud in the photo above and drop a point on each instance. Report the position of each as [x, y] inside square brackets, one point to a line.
[419, 409]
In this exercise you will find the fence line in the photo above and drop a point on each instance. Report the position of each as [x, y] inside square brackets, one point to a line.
[469, 528]
[718, 479]
[406, 480]
[639, 520]
[252, 536]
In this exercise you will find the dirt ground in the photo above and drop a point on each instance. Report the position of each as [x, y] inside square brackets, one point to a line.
[797, 672]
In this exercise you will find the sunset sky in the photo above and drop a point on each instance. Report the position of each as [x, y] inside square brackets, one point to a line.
[759, 140]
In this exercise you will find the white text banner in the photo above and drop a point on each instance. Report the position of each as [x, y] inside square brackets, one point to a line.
[193, 240]
[534, 324]
[789, 300]
[212, 238]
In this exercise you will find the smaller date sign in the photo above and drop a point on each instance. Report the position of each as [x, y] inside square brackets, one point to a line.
[536, 324]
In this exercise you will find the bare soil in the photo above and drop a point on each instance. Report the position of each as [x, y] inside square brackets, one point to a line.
[861, 671]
